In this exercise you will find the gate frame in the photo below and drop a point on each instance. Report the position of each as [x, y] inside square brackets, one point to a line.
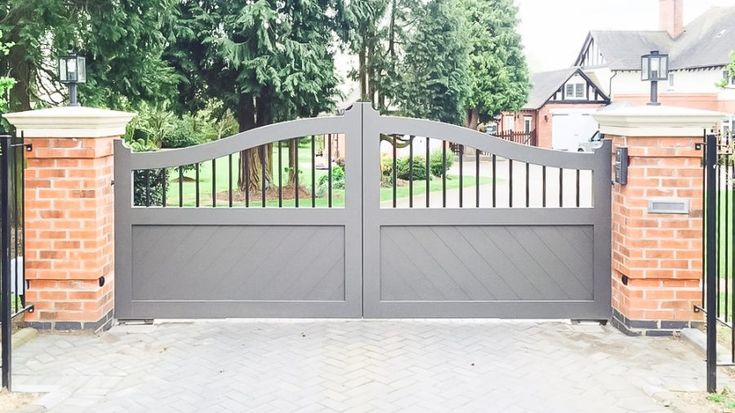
[350, 217]
[362, 218]
[599, 216]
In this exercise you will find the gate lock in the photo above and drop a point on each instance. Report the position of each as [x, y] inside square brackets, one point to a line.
[621, 165]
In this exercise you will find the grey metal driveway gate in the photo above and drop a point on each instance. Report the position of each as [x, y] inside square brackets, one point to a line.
[524, 234]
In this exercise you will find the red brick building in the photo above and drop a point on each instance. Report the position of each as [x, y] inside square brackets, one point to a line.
[559, 109]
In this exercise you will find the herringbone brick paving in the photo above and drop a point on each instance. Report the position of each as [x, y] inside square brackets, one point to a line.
[356, 366]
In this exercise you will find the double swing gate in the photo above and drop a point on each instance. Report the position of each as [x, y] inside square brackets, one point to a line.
[12, 268]
[362, 215]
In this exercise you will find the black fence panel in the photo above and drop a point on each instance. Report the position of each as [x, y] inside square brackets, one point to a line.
[718, 288]
[12, 265]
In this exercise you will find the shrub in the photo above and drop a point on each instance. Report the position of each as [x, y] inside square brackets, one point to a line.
[436, 165]
[183, 134]
[338, 180]
[151, 178]
[406, 170]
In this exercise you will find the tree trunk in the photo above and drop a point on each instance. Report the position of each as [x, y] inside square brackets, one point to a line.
[292, 144]
[362, 70]
[246, 121]
[19, 68]
[372, 84]
[473, 119]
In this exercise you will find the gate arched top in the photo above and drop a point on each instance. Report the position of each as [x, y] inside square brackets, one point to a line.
[242, 141]
[487, 143]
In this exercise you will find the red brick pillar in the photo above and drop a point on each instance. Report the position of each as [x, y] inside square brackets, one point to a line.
[69, 215]
[657, 250]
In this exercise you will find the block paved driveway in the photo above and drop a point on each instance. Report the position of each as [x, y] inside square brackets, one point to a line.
[358, 365]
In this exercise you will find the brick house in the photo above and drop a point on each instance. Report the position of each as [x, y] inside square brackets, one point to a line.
[559, 109]
[698, 56]
[609, 61]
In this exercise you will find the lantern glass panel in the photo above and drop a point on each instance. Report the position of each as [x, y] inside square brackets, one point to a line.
[81, 69]
[63, 75]
[645, 74]
[71, 68]
[655, 64]
[664, 73]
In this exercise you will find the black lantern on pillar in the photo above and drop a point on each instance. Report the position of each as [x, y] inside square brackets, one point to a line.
[654, 67]
[72, 71]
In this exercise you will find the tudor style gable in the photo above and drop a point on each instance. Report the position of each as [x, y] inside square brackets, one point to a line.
[591, 55]
[570, 85]
[579, 88]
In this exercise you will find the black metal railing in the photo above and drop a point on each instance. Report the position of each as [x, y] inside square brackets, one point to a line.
[450, 175]
[12, 266]
[718, 288]
[303, 172]
[416, 172]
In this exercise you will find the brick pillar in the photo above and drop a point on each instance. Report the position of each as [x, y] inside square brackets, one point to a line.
[657, 255]
[69, 215]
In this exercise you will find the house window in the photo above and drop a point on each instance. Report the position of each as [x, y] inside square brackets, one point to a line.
[508, 123]
[671, 80]
[574, 91]
[527, 124]
[727, 125]
[729, 79]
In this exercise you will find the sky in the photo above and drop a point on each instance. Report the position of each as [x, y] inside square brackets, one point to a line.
[553, 30]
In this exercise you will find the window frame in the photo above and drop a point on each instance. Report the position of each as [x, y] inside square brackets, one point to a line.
[512, 124]
[527, 124]
[574, 86]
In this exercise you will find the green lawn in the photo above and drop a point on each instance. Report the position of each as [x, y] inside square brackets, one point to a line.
[726, 237]
[726, 230]
[338, 195]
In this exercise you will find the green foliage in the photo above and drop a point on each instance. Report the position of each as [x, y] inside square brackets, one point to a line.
[6, 82]
[274, 54]
[159, 126]
[498, 74]
[185, 132]
[405, 168]
[729, 71]
[437, 166]
[724, 398]
[434, 72]
[338, 180]
[416, 169]
[151, 178]
[122, 41]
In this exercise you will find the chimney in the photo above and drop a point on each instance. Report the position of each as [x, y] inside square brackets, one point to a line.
[671, 16]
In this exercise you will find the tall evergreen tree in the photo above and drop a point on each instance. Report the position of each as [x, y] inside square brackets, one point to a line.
[267, 60]
[122, 41]
[434, 78]
[498, 74]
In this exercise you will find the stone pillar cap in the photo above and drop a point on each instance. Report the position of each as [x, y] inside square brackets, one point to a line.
[658, 120]
[70, 122]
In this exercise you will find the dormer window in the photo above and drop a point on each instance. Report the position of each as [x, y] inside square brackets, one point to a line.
[574, 91]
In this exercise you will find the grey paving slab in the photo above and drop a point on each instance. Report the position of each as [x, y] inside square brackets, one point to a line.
[357, 365]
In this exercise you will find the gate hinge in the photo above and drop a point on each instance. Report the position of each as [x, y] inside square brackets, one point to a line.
[28, 146]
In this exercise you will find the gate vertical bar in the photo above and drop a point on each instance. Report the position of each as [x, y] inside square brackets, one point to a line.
[5, 258]
[711, 261]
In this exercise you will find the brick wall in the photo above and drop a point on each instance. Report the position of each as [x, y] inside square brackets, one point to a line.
[657, 258]
[69, 232]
